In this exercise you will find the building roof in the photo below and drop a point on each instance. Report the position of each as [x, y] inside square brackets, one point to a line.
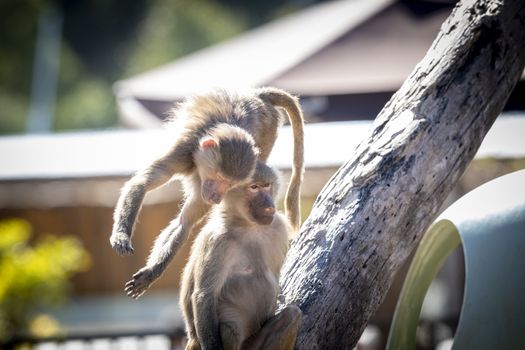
[256, 57]
[122, 152]
[338, 48]
[89, 168]
[375, 56]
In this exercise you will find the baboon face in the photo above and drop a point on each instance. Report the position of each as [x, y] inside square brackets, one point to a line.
[261, 204]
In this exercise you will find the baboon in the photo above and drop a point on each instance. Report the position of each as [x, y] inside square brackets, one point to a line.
[222, 134]
[230, 285]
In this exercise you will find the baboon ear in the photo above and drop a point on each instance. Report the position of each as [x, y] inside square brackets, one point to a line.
[208, 143]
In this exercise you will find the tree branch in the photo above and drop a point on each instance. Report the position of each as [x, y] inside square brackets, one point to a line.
[372, 213]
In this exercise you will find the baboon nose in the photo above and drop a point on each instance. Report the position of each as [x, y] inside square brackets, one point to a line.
[269, 211]
[216, 198]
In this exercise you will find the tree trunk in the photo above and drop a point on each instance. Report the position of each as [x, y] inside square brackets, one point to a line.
[372, 213]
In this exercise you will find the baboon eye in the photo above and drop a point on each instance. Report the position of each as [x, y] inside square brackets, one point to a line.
[266, 185]
[253, 188]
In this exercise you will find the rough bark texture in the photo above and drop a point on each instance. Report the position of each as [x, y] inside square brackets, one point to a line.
[371, 214]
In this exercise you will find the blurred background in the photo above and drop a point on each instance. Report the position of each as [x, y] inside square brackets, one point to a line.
[84, 89]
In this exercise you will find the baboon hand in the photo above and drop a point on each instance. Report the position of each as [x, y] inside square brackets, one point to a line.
[141, 281]
[121, 243]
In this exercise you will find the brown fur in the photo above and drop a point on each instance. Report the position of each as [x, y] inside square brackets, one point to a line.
[291, 105]
[230, 285]
[244, 124]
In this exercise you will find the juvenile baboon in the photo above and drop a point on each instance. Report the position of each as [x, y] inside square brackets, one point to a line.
[230, 285]
[223, 133]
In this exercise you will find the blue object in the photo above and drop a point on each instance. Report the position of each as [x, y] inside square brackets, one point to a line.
[490, 223]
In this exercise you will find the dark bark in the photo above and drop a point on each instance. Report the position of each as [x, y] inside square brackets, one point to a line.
[372, 213]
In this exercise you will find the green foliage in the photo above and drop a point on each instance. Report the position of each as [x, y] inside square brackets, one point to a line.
[169, 30]
[84, 100]
[87, 105]
[12, 114]
[32, 277]
[104, 41]
[175, 28]
[17, 40]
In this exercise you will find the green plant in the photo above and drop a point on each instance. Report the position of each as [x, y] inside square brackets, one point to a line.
[32, 277]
